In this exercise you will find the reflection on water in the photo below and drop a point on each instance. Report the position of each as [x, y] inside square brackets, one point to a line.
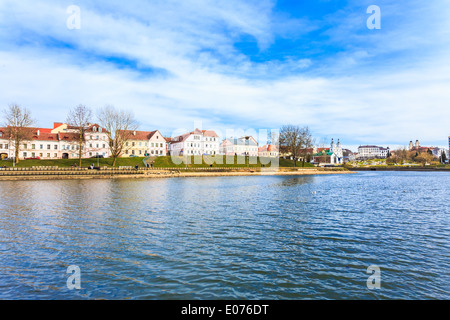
[268, 237]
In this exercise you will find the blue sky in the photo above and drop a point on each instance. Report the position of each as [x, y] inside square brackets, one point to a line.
[237, 65]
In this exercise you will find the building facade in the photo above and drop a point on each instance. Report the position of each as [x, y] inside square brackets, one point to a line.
[197, 142]
[61, 142]
[269, 151]
[145, 143]
[372, 152]
[244, 146]
[333, 155]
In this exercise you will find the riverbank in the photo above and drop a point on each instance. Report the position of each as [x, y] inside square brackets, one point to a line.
[55, 174]
[398, 168]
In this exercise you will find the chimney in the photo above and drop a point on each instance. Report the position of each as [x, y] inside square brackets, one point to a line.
[134, 133]
[57, 124]
[38, 132]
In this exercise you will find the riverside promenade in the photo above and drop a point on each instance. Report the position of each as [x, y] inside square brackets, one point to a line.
[57, 173]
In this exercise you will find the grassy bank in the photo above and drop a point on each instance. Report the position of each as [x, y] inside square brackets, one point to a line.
[160, 162]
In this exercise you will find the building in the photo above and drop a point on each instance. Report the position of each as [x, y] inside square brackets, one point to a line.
[333, 155]
[145, 143]
[168, 142]
[437, 152]
[348, 155]
[245, 146]
[61, 142]
[197, 142]
[269, 151]
[372, 152]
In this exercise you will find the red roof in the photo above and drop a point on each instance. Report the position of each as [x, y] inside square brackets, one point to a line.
[141, 135]
[205, 133]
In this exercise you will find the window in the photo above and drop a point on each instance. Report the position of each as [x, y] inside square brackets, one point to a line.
[140, 151]
[140, 144]
[41, 155]
[33, 155]
[24, 154]
[6, 146]
[161, 145]
[55, 155]
[24, 146]
[48, 155]
[56, 147]
[98, 138]
[133, 144]
[1, 134]
[1, 146]
[153, 144]
[104, 145]
[126, 151]
[41, 146]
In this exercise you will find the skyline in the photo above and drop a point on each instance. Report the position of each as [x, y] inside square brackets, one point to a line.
[253, 65]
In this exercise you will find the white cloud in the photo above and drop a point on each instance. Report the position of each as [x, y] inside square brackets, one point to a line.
[208, 79]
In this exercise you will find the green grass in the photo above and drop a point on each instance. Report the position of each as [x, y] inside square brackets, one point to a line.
[159, 162]
[226, 162]
[70, 162]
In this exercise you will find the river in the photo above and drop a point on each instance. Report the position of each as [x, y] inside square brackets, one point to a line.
[265, 237]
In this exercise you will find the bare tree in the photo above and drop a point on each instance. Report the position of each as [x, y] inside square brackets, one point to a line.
[18, 124]
[78, 119]
[296, 140]
[306, 144]
[119, 126]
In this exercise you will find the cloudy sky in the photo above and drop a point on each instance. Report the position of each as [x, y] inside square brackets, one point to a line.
[253, 64]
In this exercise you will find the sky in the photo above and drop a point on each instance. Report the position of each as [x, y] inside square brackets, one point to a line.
[236, 65]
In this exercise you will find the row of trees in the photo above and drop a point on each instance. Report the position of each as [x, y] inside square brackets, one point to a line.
[403, 155]
[118, 126]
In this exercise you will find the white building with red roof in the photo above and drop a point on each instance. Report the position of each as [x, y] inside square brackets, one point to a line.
[269, 151]
[197, 142]
[61, 142]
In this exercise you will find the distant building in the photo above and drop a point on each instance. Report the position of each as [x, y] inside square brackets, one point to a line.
[269, 151]
[332, 155]
[372, 152]
[348, 155]
[437, 152]
[245, 146]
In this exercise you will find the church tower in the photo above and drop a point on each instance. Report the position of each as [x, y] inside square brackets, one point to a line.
[410, 146]
[333, 146]
[417, 144]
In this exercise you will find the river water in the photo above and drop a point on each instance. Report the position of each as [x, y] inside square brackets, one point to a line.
[266, 237]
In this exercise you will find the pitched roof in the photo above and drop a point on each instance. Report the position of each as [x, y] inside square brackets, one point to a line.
[205, 133]
[268, 148]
